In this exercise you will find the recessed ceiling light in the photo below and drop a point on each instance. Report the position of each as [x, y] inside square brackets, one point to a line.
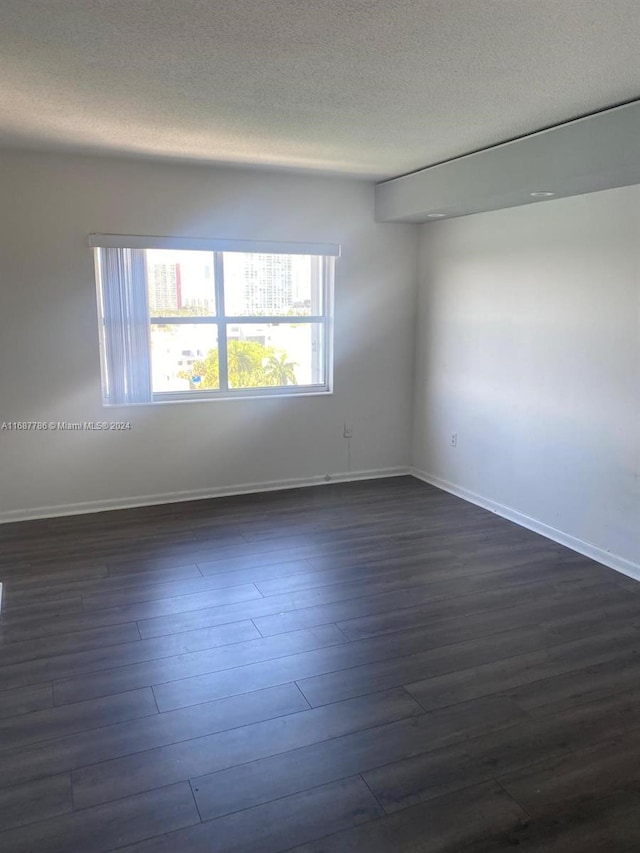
[541, 194]
[435, 215]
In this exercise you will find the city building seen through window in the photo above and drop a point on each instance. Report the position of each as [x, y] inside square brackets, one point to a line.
[189, 323]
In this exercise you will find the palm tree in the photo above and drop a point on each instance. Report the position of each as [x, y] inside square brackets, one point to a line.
[279, 371]
[245, 363]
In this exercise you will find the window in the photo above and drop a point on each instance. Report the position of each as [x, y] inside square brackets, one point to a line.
[184, 319]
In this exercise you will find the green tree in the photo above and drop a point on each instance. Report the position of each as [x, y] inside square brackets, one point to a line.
[208, 370]
[250, 364]
[244, 361]
[279, 371]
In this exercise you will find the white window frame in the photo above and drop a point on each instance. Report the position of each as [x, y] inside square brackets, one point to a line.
[326, 253]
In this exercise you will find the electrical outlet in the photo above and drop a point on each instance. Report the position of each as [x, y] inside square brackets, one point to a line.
[348, 431]
[454, 439]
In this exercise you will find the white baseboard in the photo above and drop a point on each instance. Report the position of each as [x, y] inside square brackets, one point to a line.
[197, 494]
[588, 549]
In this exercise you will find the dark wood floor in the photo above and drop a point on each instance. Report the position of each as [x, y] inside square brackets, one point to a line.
[365, 667]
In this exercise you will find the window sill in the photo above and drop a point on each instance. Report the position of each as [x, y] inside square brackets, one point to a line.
[163, 400]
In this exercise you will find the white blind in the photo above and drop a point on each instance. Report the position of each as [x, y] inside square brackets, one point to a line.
[126, 325]
[129, 241]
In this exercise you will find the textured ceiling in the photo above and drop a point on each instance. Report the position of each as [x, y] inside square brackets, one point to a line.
[363, 87]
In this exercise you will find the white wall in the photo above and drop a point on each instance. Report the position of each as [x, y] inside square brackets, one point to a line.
[49, 361]
[529, 350]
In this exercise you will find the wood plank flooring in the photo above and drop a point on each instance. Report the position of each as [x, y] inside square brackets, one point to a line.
[374, 667]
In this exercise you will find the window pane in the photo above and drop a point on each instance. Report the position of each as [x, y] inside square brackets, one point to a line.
[180, 284]
[184, 357]
[275, 354]
[266, 284]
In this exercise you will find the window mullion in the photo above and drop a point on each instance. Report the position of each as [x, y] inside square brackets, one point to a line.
[274, 319]
[218, 277]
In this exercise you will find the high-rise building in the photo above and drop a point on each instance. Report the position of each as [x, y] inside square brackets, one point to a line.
[268, 283]
[165, 291]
